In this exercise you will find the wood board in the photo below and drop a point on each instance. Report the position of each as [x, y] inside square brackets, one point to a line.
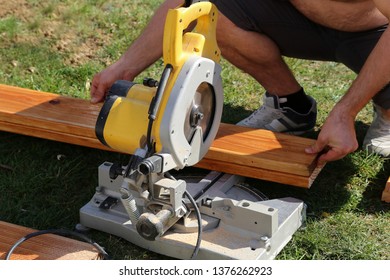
[386, 192]
[43, 247]
[249, 152]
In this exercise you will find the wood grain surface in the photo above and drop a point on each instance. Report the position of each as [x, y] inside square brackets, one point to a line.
[386, 192]
[43, 247]
[237, 150]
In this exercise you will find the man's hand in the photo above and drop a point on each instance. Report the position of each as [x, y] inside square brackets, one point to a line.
[336, 139]
[102, 81]
[142, 53]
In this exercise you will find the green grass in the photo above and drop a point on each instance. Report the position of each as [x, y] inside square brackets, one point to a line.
[57, 46]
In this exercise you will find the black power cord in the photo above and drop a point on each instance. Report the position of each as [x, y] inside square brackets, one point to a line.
[63, 232]
[200, 228]
[198, 217]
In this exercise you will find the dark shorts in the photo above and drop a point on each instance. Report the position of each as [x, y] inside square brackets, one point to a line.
[299, 37]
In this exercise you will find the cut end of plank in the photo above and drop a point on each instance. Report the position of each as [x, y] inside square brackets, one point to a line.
[386, 192]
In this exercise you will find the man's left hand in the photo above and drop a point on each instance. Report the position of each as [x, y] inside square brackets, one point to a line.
[337, 138]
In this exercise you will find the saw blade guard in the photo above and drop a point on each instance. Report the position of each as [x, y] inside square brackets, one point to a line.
[191, 107]
[192, 112]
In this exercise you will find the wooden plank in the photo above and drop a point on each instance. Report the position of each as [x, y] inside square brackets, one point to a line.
[260, 173]
[43, 247]
[238, 150]
[278, 152]
[386, 192]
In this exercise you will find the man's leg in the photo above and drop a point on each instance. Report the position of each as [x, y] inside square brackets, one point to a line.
[286, 108]
[257, 55]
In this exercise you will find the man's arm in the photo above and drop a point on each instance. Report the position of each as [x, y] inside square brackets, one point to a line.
[337, 137]
[143, 52]
[374, 75]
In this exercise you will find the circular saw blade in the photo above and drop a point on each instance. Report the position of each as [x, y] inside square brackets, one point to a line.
[201, 111]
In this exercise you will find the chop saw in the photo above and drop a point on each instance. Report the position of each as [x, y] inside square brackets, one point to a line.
[168, 125]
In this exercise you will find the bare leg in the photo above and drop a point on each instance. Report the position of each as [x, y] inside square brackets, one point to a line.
[257, 55]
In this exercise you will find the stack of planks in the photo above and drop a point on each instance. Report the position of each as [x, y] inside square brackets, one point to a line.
[43, 247]
[386, 192]
[248, 152]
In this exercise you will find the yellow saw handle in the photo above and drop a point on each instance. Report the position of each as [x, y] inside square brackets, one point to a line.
[177, 45]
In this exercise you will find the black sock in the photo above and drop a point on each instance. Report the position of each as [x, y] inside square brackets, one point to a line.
[297, 101]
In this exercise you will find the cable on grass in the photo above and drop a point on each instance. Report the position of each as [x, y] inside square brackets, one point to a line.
[63, 232]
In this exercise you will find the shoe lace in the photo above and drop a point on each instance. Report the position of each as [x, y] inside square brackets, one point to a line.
[265, 112]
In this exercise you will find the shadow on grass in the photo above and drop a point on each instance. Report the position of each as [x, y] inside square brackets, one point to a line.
[233, 115]
[328, 194]
[371, 201]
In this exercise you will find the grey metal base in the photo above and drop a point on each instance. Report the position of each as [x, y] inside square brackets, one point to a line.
[237, 224]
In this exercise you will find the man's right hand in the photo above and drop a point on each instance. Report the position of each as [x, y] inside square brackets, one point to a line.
[142, 53]
[103, 80]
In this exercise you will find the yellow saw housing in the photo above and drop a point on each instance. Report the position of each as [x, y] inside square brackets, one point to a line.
[123, 120]
[192, 58]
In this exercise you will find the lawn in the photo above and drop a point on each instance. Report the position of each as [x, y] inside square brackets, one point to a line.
[57, 46]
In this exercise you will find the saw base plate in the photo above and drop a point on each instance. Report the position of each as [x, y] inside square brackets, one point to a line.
[235, 225]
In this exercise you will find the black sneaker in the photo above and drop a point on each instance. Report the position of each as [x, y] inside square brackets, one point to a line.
[272, 116]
